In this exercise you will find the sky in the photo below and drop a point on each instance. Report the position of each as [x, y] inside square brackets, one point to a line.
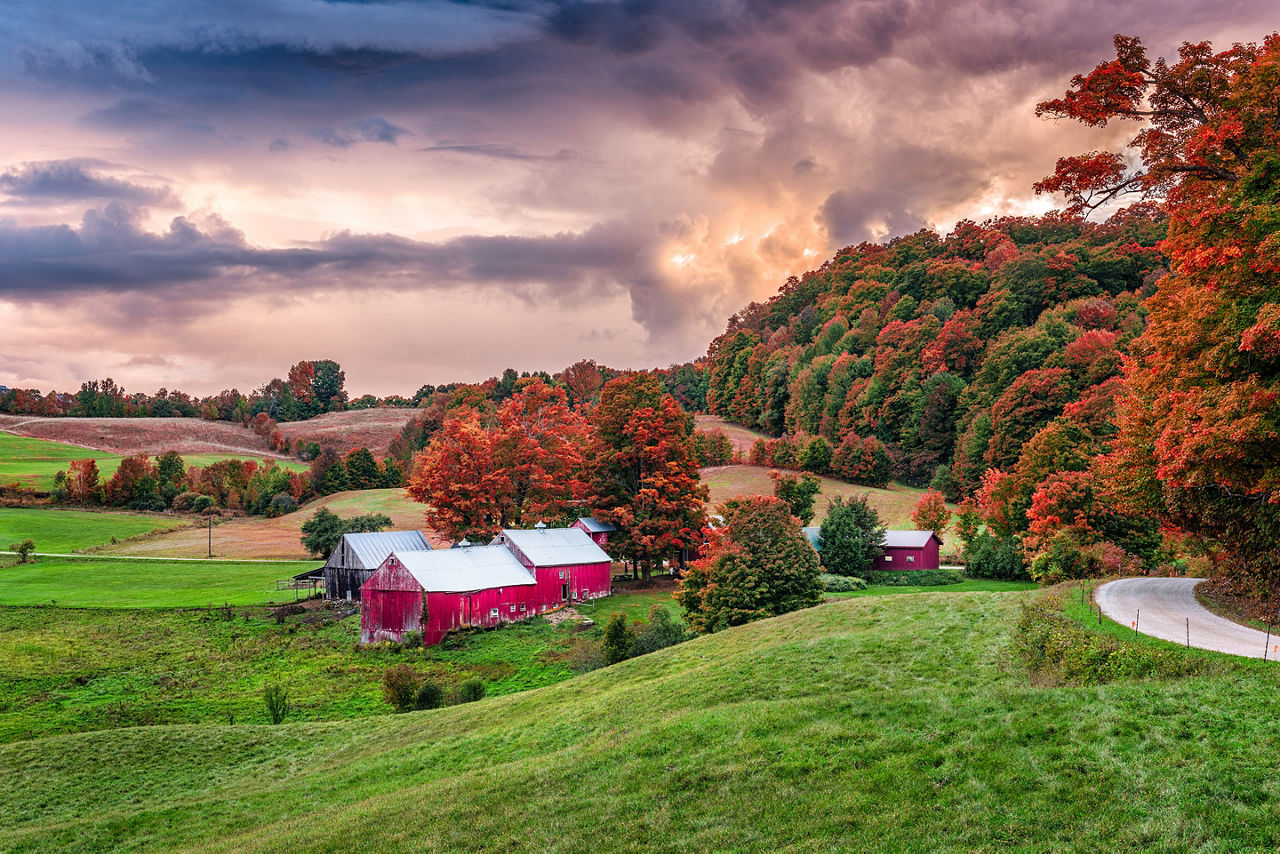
[197, 194]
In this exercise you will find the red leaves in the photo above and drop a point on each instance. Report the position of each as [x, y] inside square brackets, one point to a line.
[1086, 180]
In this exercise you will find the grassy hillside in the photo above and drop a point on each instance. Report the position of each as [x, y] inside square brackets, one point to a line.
[258, 537]
[67, 530]
[32, 463]
[891, 723]
[101, 582]
[893, 504]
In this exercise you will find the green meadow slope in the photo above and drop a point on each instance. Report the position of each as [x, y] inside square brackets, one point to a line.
[890, 723]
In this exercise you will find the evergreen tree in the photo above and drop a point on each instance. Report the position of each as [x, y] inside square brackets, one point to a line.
[851, 538]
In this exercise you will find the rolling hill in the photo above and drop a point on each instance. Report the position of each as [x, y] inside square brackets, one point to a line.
[892, 723]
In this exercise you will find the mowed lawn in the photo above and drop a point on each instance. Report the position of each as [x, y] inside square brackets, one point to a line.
[893, 504]
[122, 583]
[68, 530]
[893, 723]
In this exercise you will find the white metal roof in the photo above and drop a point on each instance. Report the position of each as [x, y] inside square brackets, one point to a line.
[595, 526]
[906, 539]
[368, 551]
[812, 533]
[555, 546]
[465, 569]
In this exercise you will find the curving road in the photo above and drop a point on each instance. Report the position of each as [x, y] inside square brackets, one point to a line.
[1169, 609]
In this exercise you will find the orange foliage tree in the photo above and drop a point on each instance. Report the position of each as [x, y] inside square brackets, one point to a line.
[1199, 420]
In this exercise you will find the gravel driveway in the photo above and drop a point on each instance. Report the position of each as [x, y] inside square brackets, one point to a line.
[1169, 610]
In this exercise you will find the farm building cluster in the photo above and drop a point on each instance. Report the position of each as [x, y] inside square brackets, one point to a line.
[406, 586]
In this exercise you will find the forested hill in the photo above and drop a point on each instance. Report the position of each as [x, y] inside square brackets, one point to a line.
[998, 346]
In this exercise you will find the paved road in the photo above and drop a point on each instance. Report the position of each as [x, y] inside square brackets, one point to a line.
[1168, 608]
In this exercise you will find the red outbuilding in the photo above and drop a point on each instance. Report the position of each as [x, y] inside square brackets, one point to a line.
[520, 574]
[598, 531]
[910, 550]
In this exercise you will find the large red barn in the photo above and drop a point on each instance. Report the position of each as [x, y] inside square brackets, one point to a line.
[520, 574]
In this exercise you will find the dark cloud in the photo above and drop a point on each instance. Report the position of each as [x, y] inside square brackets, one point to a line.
[78, 180]
[501, 152]
[372, 129]
[111, 252]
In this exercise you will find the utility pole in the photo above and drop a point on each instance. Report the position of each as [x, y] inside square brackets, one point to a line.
[210, 532]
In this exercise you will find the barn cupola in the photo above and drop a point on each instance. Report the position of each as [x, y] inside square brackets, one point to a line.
[541, 526]
[464, 543]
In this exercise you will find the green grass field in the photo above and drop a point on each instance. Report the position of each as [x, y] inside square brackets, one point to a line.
[67, 530]
[969, 585]
[33, 463]
[895, 723]
[99, 582]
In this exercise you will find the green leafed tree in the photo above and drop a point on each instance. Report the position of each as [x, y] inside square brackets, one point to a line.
[759, 565]
[851, 537]
[797, 492]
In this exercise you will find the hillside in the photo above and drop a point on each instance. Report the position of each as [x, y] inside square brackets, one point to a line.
[124, 436]
[893, 504]
[255, 537]
[889, 723]
[369, 428]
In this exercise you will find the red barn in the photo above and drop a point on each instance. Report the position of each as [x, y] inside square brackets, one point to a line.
[598, 531]
[518, 575]
[568, 564]
[439, 591]
[910, 550]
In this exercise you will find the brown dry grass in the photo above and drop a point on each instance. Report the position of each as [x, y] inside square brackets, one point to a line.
[143, 435]
[893, 504]
[255, 537]
[742, 437]
[370, 428]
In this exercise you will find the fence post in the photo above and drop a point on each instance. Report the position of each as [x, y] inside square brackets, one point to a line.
[1267, 648]
[1188, 633]
[1136, 618]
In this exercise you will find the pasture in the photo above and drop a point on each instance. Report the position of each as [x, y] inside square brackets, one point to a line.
[253, 537]
[69, 530]
[893, 504]
[103, 582]
[889, 722]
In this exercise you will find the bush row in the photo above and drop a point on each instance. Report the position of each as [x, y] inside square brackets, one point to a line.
[922, 578]
[841, 583]
[406, 689]
[1048, 641]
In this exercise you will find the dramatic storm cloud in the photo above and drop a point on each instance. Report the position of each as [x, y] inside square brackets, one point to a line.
[197, 194]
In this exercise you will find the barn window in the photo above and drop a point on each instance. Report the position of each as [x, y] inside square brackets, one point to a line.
[562, 573]
[513, 607]
[493, 612]
[911, 558]
[523, 607]
[888, 558]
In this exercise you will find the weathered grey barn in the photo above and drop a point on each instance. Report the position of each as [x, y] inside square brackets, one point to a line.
[358, 556]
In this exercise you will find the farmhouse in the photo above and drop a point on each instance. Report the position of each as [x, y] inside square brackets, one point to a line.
[358, 556]
[519, 574]
[903, 550]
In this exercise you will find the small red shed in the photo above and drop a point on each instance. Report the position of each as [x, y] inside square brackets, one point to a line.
[598, 531]
[910, 550]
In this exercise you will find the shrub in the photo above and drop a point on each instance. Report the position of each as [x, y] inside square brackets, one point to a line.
[471, 690]
[617, 639]
[1048, 641]
[412, 640]
[430, 696]
[584, 655]
[660, 632]
[996, 557]
[281, 504]
[1065, 559]
[915, 578]
[276, 698]
[798, 491]
[184, 502]
[24, 549]
[400, 687]
[841, 583]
